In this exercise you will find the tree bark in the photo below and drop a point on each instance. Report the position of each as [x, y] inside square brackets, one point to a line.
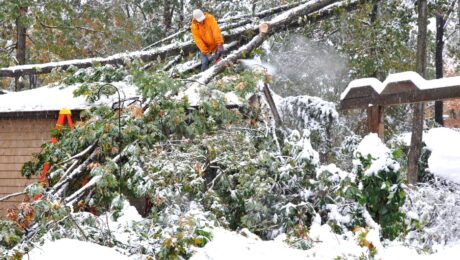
[181, 14]
[417, 121]
[373, 19]
[438, 105]
[21, 31]
[167, 14]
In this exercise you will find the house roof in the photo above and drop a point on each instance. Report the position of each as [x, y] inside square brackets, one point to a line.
[55, 98]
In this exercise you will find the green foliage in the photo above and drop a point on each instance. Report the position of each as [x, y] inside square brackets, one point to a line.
[380, 192]
[10, 234]
[424, 175]
[241, 84]
[158, 85]
[179, 247]
[68, 29]
[389, 46]
[105, 74]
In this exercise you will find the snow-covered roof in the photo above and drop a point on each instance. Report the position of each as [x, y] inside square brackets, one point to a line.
[409, 76]
[55, 98]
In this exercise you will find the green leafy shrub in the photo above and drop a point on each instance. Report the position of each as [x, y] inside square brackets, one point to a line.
[10, 234]
[378, 186]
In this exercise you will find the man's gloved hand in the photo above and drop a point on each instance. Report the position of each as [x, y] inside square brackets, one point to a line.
[220, 49]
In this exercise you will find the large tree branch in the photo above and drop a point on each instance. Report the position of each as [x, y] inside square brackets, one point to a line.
[239, 33]
[276, 24]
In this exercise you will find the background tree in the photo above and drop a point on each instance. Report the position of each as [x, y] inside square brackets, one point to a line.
[418, 116]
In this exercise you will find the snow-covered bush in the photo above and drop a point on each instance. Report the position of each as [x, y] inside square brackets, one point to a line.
[378, 185]
[314, 114]
[433, 211]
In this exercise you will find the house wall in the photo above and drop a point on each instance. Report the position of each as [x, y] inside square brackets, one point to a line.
[19, 138]
[451, 112]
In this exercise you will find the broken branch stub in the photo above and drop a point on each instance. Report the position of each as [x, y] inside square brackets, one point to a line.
[263, 28]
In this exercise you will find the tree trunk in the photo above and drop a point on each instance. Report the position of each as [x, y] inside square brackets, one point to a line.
[458, 18]
[167, 14]
[181, 14]
[373, 19]
[417, 121]
[438, 105]
[21, 31]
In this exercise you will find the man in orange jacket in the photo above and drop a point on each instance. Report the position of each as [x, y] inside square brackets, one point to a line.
[207, 36]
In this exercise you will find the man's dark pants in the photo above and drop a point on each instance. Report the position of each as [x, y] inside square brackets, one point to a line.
[204, 62]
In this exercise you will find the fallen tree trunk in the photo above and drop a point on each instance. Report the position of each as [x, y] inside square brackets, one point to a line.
[274, 25]
[228, 23]
[322, 14]
[164, 51]
[117, 59]
[265, 13]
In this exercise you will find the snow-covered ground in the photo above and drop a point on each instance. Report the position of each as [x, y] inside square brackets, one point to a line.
[225, 244]
[231, 245]
[71, 249]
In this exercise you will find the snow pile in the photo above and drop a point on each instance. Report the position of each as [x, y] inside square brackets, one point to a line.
[231, 245]
[344, 246]
[326, 245]
[372, 146]
[444, 145]
[71, 249]
[55, 98]
[120, 228]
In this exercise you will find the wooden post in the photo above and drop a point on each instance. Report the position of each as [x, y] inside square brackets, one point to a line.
[375, 120]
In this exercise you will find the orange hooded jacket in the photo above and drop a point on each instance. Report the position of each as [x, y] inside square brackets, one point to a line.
[207, 35]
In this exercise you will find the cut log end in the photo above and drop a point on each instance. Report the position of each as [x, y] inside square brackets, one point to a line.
[263, 28]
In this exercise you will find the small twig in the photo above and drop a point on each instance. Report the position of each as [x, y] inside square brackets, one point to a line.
[65, 27]
[108, 226]
[12, 195]
[79, 228]
[215, 179]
